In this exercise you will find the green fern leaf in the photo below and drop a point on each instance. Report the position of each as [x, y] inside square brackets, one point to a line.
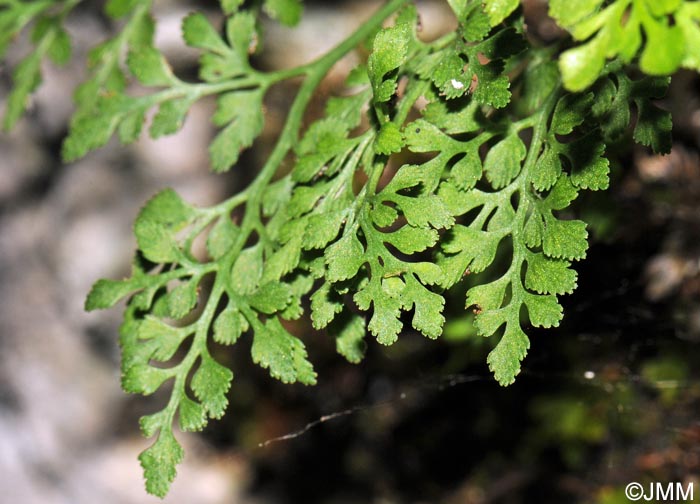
[159, 462]
[288, 12]
[618, 29]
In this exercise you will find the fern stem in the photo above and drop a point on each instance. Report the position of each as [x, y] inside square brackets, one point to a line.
[526, 197]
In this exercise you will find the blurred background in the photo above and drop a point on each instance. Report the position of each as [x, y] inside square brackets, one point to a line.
[611, 397]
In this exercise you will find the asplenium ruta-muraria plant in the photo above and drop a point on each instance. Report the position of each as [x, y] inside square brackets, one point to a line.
[506, 133]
